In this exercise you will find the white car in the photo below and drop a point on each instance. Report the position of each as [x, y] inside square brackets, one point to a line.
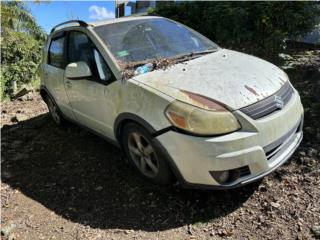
[180, 107]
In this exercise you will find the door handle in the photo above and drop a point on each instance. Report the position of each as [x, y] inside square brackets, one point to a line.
[68, 84]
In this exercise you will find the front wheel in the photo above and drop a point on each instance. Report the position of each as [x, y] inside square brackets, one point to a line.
[144, 155]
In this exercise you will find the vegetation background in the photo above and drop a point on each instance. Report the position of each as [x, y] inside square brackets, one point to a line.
[260, 28]
[21, 45]
[66, 183]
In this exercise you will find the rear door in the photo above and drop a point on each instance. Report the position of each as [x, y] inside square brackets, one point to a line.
[89, 96]
[54, 70]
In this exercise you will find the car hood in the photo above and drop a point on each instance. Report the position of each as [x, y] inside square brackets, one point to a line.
[229, 77]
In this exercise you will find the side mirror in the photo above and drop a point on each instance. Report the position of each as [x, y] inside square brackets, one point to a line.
[78, 70]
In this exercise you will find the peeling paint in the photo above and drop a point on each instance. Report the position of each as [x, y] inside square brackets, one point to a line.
[251, 90]
[282, 80]
[214, 77]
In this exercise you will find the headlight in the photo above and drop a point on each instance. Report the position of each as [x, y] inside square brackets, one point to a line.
[208, 119]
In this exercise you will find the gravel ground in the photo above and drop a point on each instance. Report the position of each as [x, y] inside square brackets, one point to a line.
[66, 183]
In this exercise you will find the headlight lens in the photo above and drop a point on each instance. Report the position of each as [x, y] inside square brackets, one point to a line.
[217, 120]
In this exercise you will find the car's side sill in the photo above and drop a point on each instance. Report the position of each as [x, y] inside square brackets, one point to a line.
[110, 140]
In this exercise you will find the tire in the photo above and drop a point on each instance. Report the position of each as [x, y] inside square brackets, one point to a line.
[143, 154]
[55, 112]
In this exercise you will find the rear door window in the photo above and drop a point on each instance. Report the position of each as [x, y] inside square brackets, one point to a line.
[56, 53]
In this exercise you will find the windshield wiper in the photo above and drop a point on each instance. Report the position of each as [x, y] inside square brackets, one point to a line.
[174, 59]
[192, 55]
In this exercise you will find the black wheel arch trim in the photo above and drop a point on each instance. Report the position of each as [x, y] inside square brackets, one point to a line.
[131, 117]
[45, 89]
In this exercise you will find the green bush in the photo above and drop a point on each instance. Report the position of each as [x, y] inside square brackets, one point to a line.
[20, 57]
[254, 27]
[21, 44]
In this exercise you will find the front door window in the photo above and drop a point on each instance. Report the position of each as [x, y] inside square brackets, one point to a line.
[81, 48]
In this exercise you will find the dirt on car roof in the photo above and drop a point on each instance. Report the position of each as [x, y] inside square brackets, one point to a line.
[66, 183]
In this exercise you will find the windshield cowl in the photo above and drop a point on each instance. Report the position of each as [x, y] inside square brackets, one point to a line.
[129, 69]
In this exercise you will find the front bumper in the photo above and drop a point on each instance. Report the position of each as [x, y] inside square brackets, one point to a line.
[261, 146]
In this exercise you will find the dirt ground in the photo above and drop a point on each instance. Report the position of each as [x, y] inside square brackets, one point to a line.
[66, 183]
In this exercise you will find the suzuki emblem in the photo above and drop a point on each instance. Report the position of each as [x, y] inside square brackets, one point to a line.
[279, 102]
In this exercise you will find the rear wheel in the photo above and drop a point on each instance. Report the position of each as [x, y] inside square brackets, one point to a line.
[144, 155]
[54, 111]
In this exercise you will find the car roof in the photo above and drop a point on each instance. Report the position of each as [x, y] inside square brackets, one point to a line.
[122, 19]
[67, 24]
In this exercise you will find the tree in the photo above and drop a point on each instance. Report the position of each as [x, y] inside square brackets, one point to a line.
[16, 17]
[255, 27]
[21, 43]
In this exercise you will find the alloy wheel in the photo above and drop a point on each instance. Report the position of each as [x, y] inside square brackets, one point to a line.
[143, 154]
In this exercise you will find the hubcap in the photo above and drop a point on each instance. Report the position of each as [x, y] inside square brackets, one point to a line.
[143, 154]
[53, 111]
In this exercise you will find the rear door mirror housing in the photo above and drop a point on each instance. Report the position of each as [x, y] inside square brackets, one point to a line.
[78, 70]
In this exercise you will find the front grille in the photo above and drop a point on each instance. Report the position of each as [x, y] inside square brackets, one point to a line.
[270, 104]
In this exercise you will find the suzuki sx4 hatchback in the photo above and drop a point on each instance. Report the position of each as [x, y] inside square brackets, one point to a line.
[179, 106]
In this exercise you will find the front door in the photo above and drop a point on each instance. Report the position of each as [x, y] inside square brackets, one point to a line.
[88, 96]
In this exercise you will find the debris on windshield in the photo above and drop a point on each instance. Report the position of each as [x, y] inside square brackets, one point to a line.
[131, 69]
[135, 68]
[164, 63]
[144, 69]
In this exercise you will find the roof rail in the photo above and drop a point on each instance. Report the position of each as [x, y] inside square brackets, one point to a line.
[80, 22]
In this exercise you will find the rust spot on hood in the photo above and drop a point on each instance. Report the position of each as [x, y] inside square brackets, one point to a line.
[251, 90]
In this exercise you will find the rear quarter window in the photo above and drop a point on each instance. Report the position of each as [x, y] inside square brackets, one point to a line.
[56, 53]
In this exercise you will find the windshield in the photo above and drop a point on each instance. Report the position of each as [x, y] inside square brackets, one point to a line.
[151, 38]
